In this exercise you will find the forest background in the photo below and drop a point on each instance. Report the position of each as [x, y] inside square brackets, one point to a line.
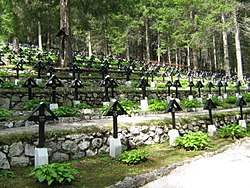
[209, 35]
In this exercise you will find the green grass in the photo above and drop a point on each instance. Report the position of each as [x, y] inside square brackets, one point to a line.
[101, 171]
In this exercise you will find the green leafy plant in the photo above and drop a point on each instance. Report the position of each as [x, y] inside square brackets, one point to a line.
[160, 85]
[66, 111]
[217, 101]
[6, 173]
[5, 114]
[31, 104]
[193, 141]
[186, 103]
[7, 85]
[156, 105]
[128, 105]
[231, 131]
[246, 97]
[134, 84]
[231, 100]
[82, 106]
[53, 174]
[3, 74]
[134, 156]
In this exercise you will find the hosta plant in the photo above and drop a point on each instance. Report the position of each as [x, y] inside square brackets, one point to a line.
[156, 105]
[134, 156]
[186, 103]
[54, 174]
[232, 131]
[66, 111]
[193, 141]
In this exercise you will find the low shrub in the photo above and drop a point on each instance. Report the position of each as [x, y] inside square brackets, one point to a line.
[217, 101]
[66, 111]
[54, 174]
[231, 100]
[7, 85]
[31, 104]
[246, 97]
[186, 103]
[134, 156]
[6, 173]
[193, 141]
[156, 105]
[231, 131]
[5, 114]
[82, 106]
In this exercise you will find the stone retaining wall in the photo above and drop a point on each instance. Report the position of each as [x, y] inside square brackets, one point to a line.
[65, 97]
[75, 146]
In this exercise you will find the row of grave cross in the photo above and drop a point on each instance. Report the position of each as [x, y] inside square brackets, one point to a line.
[42, 113]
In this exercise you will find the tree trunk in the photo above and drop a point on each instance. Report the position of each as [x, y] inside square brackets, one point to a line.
[169, 56]
[215, 53]
[238, 48]
[158, 48]
[188, 59]
[195, 60]
[40, 43]
[176, 58]
[65, 41]
[225, 47]
[147, 40]
[89, 44]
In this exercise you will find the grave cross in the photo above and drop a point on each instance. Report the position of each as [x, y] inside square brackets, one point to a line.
[39, 66]
[173, 107]
[219, 85]
[114, 110]
[209, 105]
[241, 102]
[54, 82]
[50, 71]
[75, 69]
[106, 84]
[169, 84]
[41, 118]
[190, 84]
[225, 87]
[210, 85]
[18, 67]
[30, 83]
[143, 84]
[62, 33]
[113, 84]
[176, 85]
[76, 84]
[163, 76]
[199, 85]
[104, 71]
[238, 84]
[128, 72]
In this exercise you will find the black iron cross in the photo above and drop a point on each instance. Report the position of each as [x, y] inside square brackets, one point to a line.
[114, 110]
[143, 84]
[54, 82]
[173, 107]
[30, 83]
[209, 105]
[76, 84]
[241, 102]
[41, 118]
[39, 66]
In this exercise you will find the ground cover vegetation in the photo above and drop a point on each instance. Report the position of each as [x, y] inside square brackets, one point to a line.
[102, 170]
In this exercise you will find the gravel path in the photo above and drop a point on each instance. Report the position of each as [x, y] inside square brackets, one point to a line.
[229, 169]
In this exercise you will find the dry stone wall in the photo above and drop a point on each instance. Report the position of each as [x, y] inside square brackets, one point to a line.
[64, 148]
